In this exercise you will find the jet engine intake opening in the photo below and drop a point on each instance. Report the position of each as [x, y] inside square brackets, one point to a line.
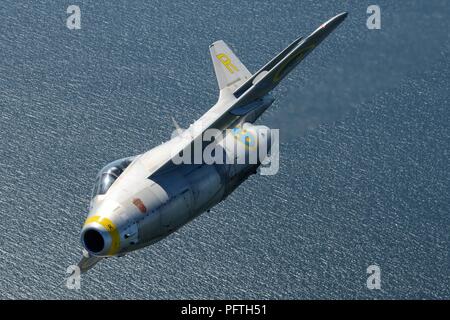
[93, 240]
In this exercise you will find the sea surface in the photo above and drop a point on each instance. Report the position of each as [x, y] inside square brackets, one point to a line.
[364, 173]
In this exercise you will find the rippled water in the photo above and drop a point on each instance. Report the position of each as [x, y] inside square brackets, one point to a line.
[364, 174]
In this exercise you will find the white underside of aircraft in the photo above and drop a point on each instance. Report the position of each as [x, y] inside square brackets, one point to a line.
[139, 200]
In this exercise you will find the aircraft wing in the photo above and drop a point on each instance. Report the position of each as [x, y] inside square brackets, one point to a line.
[267, 79]
[253, 87]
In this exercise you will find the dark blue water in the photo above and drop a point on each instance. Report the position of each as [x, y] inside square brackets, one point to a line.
[364, 124]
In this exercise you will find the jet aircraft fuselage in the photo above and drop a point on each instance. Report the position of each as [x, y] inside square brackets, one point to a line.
[139, 200]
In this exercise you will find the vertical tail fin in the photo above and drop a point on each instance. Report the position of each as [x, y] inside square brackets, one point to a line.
[230, 71]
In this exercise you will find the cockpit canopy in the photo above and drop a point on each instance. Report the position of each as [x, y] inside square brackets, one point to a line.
[109, 174]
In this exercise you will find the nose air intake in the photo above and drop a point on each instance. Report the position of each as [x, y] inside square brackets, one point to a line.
[96, 240]
[100, 236]
[93, 241]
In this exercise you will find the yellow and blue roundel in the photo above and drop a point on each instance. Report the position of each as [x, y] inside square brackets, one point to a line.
[245, 137]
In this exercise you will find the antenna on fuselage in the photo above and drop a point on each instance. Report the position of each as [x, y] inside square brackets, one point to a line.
[177, 126]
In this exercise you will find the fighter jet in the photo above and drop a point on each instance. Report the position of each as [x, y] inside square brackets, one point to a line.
[139, 200]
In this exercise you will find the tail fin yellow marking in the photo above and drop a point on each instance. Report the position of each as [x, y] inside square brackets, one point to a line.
[226, 61]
